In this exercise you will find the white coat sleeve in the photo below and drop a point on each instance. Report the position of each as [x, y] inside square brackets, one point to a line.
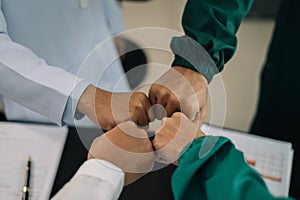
[114, 16]
[95, 180]
[31, 82]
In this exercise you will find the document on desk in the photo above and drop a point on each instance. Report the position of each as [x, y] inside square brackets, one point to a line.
[272, 159]
[44, 144]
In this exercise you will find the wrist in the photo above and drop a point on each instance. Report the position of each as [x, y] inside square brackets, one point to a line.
[86, 100]
[199, 134]
[191, 54]
[188, 71]
[92, 101]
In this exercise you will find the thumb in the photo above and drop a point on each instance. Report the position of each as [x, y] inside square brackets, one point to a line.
[190, 107]
[90, 156]
[196, 119]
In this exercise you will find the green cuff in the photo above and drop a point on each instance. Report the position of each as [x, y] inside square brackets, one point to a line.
[190, 54]
[204, 146]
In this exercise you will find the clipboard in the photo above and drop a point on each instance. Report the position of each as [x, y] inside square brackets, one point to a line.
[44, 143]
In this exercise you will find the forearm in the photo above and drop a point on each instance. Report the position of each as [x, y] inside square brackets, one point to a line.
[31, 82]
[91, 98]
[212, 24]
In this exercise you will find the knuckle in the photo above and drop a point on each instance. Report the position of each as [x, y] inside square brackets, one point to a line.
[154, 88]
[168, 121]
[156, 144]
[133, 118]
[142, 95]
[111, 126]
[177, 115]
[129, 124]
[164, 94]
[139, 107]
[162, 91]
[139, 95]
[173, 101]
[107, 125]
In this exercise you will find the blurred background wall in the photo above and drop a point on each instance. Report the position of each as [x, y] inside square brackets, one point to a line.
[241, 74]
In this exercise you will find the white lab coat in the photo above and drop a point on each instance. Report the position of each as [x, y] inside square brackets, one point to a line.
[95, 180]
[43, 45]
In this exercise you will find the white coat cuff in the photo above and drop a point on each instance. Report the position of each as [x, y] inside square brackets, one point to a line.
[103, 170]
[70, 109]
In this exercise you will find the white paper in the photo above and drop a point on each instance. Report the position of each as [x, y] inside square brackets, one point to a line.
[44, 144]
[271, 158]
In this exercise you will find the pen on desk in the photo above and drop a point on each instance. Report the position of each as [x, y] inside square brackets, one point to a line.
[27, 180]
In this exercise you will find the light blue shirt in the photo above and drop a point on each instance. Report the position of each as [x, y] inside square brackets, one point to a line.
[43, 45]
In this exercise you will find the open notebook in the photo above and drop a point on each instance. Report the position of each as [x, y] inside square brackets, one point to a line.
[44, 144]
[271, 158]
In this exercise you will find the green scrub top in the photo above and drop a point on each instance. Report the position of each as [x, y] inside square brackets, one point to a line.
[212, 24]
[212, 168]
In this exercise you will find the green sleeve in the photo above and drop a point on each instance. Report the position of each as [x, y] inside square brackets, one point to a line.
[212, 24]
[212, 168]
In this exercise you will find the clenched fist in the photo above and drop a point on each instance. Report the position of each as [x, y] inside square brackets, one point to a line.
[108, 109]
[127, 147]
[174, 134]
[180, 90]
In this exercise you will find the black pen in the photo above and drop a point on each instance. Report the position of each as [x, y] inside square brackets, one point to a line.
[27, 183]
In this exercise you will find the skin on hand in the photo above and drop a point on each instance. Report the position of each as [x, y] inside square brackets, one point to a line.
[121, 46]
[181, 89]
[127, 147]
[108, 109]
[174, 134]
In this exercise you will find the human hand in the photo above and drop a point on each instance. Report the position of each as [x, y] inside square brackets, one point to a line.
[121, 46]
[108, 109]
[174, 134]
[180, 89]
[127, 147]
